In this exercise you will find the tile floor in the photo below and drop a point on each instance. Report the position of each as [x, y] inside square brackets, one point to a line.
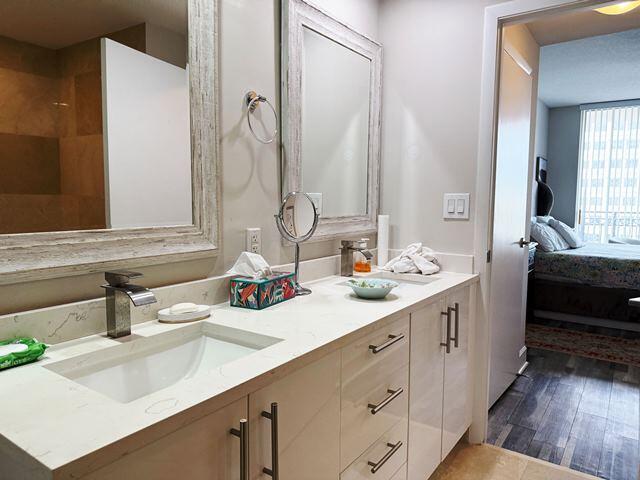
[486, 462]
[573, 411]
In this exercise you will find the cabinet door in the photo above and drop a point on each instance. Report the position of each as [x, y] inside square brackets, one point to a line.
[458, 387]
[308, 423]
[203, 450]
[426, 383]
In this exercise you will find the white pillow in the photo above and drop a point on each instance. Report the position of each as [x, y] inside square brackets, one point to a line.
[545, 219]
[548, 239]
[572, 237]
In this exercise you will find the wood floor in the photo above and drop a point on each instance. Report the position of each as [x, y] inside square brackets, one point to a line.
[577, 412]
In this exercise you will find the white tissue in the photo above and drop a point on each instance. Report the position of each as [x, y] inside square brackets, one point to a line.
[251, 265]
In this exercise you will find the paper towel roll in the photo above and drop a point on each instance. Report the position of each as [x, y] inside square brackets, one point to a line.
[383, 240]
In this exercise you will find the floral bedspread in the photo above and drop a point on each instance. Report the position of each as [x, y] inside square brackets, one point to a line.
[602, 265]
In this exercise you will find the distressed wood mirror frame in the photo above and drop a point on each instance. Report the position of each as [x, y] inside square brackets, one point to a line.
[36, 256]
[298, 15]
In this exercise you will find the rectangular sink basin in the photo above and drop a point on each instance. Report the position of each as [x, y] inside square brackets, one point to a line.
[409, 278]
[142, 366]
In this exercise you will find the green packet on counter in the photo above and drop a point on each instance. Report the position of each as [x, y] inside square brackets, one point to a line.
[19, 351]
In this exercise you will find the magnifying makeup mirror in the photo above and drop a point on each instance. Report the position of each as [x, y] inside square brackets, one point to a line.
[297, 221]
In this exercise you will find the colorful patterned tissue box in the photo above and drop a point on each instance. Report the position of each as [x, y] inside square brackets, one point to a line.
[258, 294]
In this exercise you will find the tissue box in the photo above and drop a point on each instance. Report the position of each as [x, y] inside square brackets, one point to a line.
[258, 294]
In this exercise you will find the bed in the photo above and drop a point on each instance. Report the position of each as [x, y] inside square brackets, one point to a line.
[594, 281]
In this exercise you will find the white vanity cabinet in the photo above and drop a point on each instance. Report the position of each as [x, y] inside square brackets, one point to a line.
[458, 387]
[427, 384]
[305, 424]
[306, 429]
[375, 387]
[441, 387]
[375, 402]
[390, 405]
[202, 450]
[401, 474]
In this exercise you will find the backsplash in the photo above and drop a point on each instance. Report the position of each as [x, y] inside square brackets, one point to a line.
[76, 320]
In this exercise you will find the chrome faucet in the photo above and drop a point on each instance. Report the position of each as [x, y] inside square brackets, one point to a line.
[346, 255]
[120, 294]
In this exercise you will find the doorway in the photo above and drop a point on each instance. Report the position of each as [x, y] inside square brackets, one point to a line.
[563, 382]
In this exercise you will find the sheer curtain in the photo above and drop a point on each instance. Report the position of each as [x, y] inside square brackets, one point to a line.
[608, 200]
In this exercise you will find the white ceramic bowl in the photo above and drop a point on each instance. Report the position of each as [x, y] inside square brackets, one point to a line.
[372, 288]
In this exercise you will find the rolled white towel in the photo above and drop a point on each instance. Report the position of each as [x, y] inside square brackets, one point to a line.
[414, 259]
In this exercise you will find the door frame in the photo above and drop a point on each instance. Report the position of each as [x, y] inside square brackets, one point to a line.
[495, 18]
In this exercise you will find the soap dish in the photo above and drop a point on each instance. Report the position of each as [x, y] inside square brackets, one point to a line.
[202, 312]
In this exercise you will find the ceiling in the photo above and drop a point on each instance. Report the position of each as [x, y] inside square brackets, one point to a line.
[590, 70]
[581, 23]
[59, 23]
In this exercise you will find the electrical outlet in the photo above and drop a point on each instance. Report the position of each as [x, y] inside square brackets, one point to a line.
[316, 198]
[253, 240]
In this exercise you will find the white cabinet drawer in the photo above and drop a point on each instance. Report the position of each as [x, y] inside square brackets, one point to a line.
[359, 360]
[389, 393]
[388, 453]
[370, 378]
[401, 474]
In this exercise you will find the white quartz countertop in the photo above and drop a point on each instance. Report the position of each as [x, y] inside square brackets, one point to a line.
[57, 425]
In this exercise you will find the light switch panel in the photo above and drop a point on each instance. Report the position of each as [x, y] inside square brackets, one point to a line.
[456, 206]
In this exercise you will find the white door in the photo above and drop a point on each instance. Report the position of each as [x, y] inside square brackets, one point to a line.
[509, 258]
[306, 427]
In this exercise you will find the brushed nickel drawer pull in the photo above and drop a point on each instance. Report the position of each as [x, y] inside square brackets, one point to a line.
[447, 344]
[243, 434]
[375, 466]
[393, 395]
[392, 339]
[274, 471]
[456, 339]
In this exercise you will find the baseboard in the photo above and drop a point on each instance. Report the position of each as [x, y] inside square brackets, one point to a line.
[596, 322]
[523, 368]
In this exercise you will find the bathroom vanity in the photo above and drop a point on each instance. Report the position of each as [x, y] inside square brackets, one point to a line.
[331, 386]
[324, 386]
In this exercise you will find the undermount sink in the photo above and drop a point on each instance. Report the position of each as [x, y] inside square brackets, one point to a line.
[146, 365]
[410, 278]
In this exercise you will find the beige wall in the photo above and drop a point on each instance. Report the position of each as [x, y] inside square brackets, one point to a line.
[432, 65]
[249, 59]
[431, 85]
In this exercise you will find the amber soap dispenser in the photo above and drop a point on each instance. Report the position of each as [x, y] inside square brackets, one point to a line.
[361, 263]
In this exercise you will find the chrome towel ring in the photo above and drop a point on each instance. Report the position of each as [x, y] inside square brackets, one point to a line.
[252, 99]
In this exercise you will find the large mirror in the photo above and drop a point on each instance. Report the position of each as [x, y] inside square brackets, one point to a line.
[107, 134]
[331, 118]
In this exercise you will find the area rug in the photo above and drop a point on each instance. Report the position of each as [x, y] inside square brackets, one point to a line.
[602, 347]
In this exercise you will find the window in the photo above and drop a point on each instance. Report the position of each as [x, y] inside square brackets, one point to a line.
[609, 177]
